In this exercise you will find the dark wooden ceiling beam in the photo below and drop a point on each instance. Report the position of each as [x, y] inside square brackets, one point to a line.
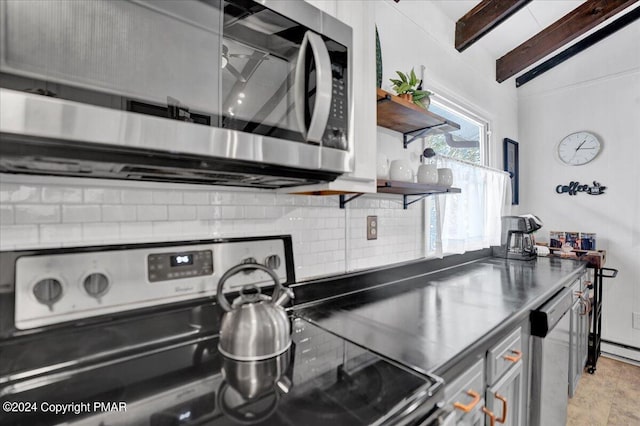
[572, 25]
[487, 15]
[583, 44]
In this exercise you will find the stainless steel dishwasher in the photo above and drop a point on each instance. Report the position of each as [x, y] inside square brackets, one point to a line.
[550, 330]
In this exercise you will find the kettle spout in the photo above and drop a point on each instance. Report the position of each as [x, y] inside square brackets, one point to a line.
[285, 295]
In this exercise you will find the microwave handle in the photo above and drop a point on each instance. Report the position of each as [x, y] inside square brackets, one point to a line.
[324, 86]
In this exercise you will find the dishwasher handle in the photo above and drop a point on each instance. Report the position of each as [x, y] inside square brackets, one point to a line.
[551, 312]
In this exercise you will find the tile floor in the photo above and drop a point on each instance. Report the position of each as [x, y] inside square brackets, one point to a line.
[610, 397]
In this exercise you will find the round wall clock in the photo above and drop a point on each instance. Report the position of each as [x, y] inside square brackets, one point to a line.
[579, 148]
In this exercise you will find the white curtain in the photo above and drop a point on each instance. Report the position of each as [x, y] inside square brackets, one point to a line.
[470, 220]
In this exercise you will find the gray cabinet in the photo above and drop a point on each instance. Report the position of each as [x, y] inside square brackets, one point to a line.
[505, 393]
[464, 396]
[505, 398]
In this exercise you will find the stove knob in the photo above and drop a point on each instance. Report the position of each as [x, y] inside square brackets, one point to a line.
[48, 291]
[272, 262]
[96, 285]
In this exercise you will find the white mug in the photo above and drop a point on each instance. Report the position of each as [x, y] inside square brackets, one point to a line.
[382, 169]
[428, 173]
[401, 170]
[445, 177]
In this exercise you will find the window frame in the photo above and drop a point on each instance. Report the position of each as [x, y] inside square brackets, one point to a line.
[485, 146]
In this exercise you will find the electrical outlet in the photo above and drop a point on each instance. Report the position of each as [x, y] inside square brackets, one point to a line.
[636, 320]
[372, 227]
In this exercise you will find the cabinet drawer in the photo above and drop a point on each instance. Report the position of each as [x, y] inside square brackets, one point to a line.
[504, 355]
[465, 395]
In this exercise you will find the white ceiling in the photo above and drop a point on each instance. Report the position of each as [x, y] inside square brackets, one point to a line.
[522, 25]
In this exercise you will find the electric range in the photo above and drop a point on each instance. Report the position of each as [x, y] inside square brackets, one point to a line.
[128, 335]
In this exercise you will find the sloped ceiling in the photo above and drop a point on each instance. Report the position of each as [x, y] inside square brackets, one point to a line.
[531, 19]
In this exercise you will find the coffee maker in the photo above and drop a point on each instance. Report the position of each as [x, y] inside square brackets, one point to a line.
[517, 240]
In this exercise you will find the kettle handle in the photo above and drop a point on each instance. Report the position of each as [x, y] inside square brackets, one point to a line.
[222, 300]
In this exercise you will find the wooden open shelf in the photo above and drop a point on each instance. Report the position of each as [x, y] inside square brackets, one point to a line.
[408, 118]
[412, 188]
[417, 191]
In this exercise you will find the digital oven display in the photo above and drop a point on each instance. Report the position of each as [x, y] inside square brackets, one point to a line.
[175, 266]
[181, 259]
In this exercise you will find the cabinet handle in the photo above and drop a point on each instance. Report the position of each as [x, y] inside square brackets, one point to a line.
[466, 408]
[587, 301]
[504, 408]
[492, 417]
[515, 358]
[585, 307]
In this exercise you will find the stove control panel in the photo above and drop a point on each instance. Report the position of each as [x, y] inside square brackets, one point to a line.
[169, 266]
[87, 282]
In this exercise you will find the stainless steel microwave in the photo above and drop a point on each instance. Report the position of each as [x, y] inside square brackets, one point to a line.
[231, 92]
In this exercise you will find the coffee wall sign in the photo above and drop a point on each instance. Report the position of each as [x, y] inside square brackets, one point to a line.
[574, 187]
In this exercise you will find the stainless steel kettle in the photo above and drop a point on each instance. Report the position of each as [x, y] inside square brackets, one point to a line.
[255, 326]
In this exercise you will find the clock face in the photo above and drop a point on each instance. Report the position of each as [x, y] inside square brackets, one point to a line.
[578, 148]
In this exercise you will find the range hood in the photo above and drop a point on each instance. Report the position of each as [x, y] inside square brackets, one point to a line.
[49, 136]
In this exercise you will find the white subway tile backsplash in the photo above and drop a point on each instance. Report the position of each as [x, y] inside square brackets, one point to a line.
[167, 197]
[195, 228]
[331, 245]
[36, 213]
[53, 215]
[132, 196]
[221, 197]
[317, 201]
[132, 230]
[254, 212]
[309, 235]
[101, 196]
[100, 231]
[61, 194]
[167, 229]
[196, 197]
[273, 212]
[155, 213]
[6, 215]
[81, 213]
[266, 199]
[118, 213]
[245, 198]
[232, 212]
[12, 193]
[182, 213]
[209, 212]
[286, 199]
[19, 236]
[61, 233]
[301, 200]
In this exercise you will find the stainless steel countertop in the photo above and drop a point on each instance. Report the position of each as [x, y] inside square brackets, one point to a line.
[429, 322]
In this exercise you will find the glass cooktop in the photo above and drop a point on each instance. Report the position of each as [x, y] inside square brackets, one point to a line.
[322, 380]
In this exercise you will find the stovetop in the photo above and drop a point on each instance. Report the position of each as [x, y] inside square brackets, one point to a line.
[327, 380]
[128, 335]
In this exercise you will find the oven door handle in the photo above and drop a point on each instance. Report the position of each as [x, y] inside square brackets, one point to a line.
[324, 85]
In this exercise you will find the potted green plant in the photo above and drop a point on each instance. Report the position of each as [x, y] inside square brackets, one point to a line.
[410, 88]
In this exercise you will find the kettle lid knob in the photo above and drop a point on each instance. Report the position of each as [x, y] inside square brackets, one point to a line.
[278, 290]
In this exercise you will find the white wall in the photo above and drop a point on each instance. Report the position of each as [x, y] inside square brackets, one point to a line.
[599, 91]
[42, 212]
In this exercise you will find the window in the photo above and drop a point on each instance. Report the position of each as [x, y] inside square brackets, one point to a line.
[467, 144]
[471, 220]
